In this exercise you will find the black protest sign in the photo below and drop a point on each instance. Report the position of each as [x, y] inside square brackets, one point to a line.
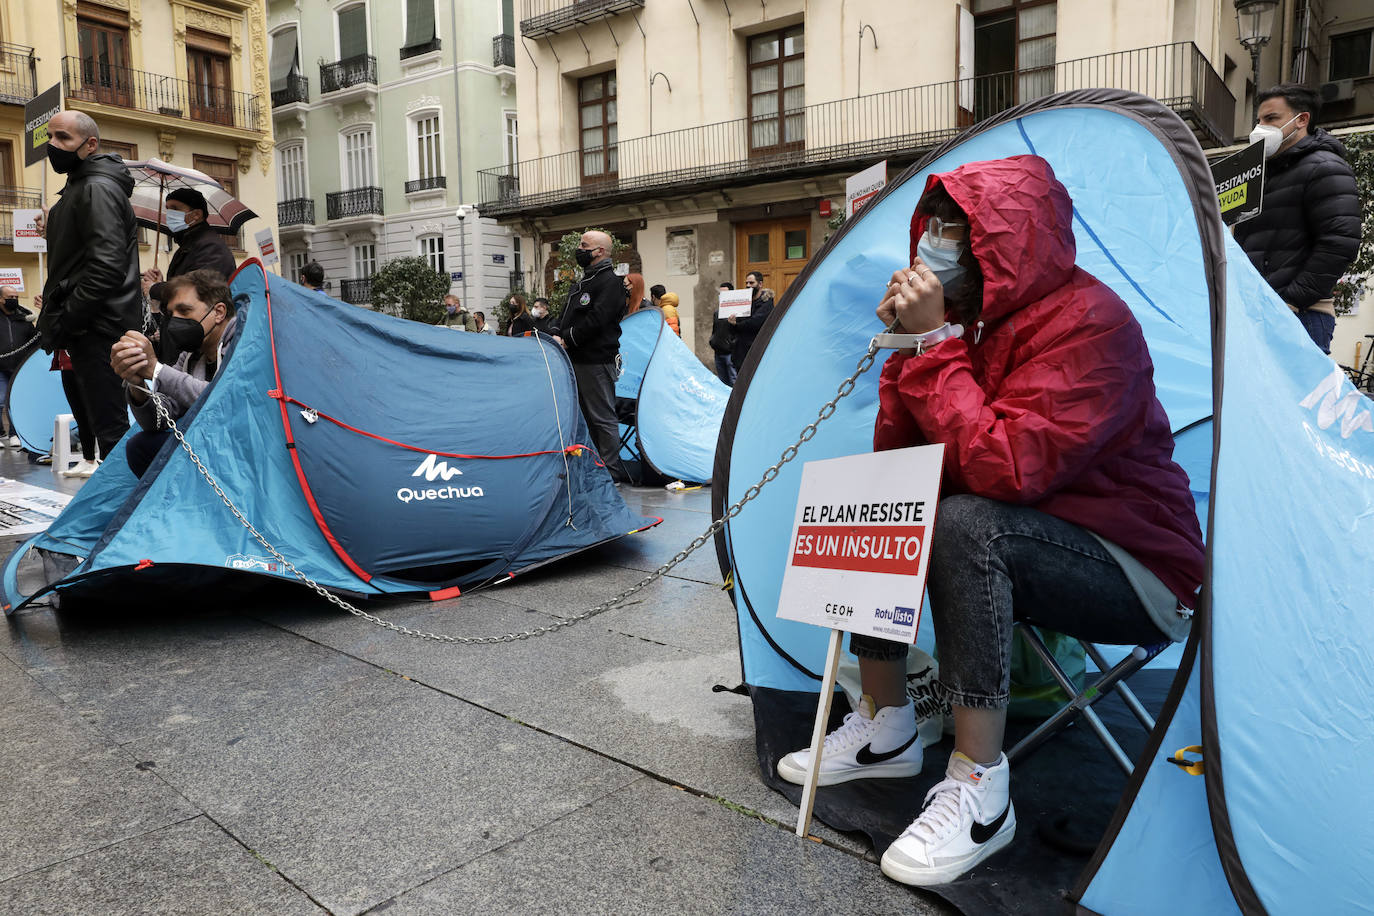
[1240, 184]
[38, 111]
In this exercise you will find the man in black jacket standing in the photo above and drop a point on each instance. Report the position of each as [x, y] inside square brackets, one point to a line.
[746, 329]
[92, 295]
[589, 330]
[199, 247]
[1308, 231]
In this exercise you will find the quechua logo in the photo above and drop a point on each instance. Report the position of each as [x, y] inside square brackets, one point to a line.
[433, 469]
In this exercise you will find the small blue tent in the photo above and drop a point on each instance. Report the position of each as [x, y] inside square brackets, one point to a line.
[679, 402]
[1277, 680]
[351, 440]
[35, 400]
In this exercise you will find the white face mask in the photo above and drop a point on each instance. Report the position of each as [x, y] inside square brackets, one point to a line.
[1272, 136]
[942, 257]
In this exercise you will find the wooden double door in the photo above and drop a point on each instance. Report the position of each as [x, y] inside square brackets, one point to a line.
[778, 249]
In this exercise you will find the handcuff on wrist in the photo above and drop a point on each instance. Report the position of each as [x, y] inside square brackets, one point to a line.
[918, 342]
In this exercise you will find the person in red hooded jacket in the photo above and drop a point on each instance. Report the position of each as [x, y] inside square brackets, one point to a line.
[1062, 503]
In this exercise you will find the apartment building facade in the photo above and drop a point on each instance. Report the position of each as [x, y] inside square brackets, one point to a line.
[742, 120]
[383, 113]
[181, 80]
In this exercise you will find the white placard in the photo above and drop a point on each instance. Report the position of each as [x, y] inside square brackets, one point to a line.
[862, 187]
[12, 276]
[736, 303]
[267, 247]
[26, 234]
[860, 543]
[26, 509]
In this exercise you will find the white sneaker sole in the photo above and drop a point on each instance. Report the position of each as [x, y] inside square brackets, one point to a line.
[928, 876]
[894, 770]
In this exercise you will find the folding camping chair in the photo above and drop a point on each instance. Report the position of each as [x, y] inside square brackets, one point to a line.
[1110, 679]
[625, 411]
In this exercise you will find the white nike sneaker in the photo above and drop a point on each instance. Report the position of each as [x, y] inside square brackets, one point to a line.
[967, 817]
[864, 747]
[82, 468]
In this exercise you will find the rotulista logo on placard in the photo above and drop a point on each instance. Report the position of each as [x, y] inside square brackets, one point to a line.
[432, 469]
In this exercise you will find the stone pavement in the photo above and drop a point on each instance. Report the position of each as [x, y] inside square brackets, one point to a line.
[272, 755]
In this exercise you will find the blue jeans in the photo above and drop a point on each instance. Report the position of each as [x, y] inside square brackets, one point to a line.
[725, 369]
[4, 397]
[1320, 327]
[992, 563]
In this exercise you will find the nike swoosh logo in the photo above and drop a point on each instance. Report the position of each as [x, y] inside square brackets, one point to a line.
[866, 756]
[981, 833]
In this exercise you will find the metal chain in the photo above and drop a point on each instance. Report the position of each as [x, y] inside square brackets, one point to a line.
[32, 340]
[769, 475]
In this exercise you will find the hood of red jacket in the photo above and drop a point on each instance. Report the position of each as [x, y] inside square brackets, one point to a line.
[1020, 228]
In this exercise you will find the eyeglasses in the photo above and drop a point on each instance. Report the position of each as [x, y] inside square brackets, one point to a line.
[946, 235]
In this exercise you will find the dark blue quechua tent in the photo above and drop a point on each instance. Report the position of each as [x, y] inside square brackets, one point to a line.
[354, 443]
[1276, 682]
[679, 402]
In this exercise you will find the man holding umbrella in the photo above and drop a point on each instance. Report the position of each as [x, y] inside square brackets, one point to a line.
[92, 296]
[198, 245]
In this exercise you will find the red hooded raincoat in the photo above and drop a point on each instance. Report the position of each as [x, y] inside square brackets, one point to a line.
[1052, 404]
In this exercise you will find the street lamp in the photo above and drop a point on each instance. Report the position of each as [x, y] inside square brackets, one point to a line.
[462, 214]
[1255, 23]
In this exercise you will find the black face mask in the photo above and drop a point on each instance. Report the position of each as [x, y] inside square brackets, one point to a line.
[180, 335]
[584, 257]
[12, 304]
[63, 160]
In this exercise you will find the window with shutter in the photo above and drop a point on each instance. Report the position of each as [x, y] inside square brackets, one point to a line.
[353, 32]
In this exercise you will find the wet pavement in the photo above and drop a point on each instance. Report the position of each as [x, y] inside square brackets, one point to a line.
[274, 755]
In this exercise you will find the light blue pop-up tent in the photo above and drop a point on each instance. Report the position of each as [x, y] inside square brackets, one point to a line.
[1277, 681]
[679, 402]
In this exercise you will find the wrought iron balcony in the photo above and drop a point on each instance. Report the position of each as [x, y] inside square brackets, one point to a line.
[503, 51]
[357, 202]
[830, 136]
[17, 84]
[425, 47]
[90, 80]
[545, 17]
[356, 292]
[297, 89]
[299, 211]
[426, 184]
[343, 74]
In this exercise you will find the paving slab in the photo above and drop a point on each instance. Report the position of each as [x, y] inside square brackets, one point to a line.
[132, 674]
[67, 790]
[188, 869]
[662, 715]
[650, 848]
[512, 677]
[361, 793]
[674, 611]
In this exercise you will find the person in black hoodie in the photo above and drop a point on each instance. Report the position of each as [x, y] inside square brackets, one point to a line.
[589, 329]
[199, 247]
[92, 295]
[746, 329]
[1308, 232]
[15, 332]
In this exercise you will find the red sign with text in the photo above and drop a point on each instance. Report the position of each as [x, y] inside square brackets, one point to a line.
[862, 548]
